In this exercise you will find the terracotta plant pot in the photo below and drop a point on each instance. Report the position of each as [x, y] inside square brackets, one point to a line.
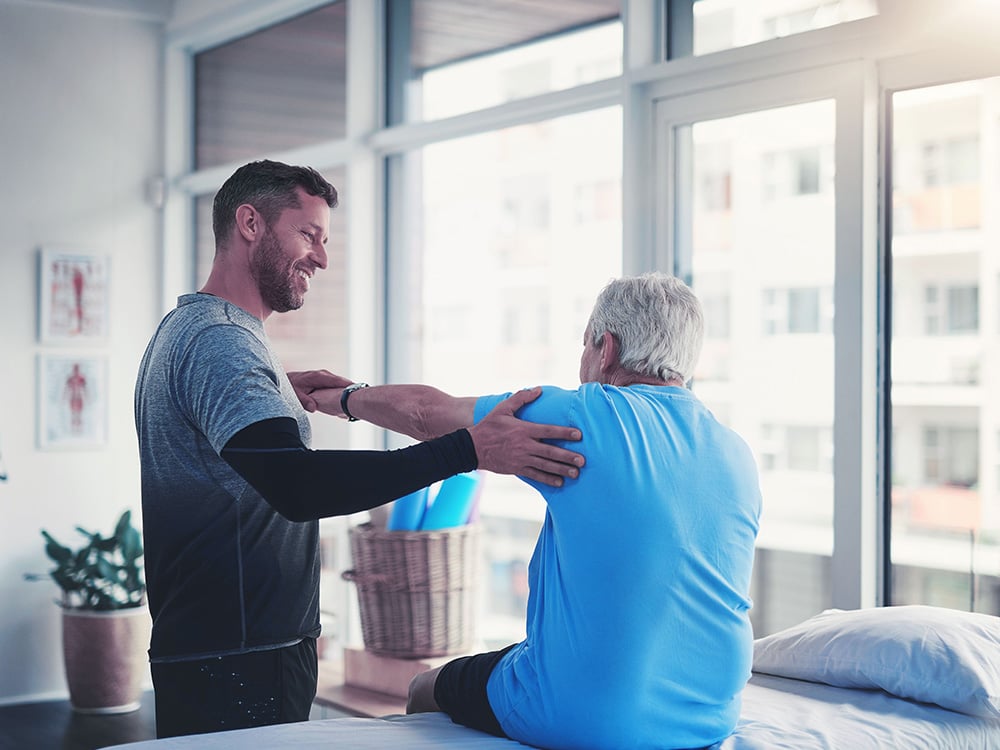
[105, 657]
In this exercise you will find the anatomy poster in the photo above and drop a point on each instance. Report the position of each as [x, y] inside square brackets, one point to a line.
[72, 401]
[73, 297]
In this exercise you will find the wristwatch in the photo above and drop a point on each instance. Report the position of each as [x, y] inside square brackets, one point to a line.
[343, 399]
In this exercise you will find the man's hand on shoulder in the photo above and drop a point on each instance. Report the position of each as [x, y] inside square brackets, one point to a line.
[508, 445]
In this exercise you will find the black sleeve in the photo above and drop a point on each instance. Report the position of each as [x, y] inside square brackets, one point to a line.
[304, 485]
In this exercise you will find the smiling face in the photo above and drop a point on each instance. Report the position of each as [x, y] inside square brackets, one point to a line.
[290, 252]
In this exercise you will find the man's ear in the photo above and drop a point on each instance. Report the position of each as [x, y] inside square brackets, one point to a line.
[609, 351]
[249, 222]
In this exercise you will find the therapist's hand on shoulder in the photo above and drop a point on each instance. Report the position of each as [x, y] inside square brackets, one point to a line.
[508, 445]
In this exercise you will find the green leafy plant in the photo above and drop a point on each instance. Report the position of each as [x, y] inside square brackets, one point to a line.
[104, 574]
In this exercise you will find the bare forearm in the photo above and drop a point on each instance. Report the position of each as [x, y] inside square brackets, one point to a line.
[419, 411]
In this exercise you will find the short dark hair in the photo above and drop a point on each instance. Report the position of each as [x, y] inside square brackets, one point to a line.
[268, 186]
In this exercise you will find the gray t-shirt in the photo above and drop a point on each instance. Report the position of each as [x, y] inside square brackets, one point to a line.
[225, 572]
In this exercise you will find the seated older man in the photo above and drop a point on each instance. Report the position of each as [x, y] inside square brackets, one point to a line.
[638, 634]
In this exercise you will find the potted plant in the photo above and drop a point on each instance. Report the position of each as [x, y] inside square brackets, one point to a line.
[105, 621]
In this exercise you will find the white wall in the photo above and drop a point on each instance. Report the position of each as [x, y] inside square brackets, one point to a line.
[80, 135]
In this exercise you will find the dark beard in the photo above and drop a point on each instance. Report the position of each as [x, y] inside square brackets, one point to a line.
[273, 273]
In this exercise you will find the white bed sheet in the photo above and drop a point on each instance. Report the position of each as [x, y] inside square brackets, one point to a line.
[777, 713]
[782, 713]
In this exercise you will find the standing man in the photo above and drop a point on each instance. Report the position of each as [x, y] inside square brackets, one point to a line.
[638, 632]
[231, 492]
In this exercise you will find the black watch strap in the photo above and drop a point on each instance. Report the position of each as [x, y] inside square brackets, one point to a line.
[343, 399]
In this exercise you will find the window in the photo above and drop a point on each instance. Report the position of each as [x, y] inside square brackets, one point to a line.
[713, 191]
[767, 360]
[951, 162]
[279, 88]
[598, 201]
[715, 308]
[802, 310]
[944, 507]
[951, 455]
[455, 57]
[487, 190]
[805, 448]
[937, 152]
[951, 310]
[511, 244]
[801, 171]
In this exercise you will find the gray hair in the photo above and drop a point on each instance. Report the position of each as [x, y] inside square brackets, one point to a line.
[657, 321]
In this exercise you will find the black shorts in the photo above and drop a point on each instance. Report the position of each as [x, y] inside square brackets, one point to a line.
[235, 692]
[460, 691]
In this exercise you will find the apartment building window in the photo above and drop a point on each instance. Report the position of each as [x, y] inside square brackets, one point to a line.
[951, 310]
[938, 150]
[951, 455]
[525, 318]
[713, 191]
[525, 204]
[797, 310]
[954, 161]
[716, 311]
[806, 448]
[793, 173]
[598, 201]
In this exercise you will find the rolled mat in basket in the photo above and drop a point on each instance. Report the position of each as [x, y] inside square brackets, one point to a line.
[416, 589]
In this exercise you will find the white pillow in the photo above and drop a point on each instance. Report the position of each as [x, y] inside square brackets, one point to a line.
[928, 654]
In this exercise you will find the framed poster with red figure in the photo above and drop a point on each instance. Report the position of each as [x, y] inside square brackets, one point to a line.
[72, 401]
[72, 296]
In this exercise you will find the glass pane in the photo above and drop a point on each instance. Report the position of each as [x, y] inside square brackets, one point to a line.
[460, 56]
[762, 258]
[519, 229]
[723, 24]
[315, 335]
[276, 89]
[945, 513]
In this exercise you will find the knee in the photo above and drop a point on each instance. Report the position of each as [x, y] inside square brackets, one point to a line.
[420, 695]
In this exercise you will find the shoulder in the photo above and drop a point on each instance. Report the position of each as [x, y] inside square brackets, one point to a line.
[209, 324]
[551, 404]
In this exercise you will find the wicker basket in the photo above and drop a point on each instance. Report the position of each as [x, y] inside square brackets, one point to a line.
[416, 589]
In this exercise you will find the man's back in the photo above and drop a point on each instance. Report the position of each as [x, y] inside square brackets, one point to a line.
[638, 632]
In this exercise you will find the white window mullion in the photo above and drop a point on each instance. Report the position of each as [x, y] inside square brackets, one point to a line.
[856, 580]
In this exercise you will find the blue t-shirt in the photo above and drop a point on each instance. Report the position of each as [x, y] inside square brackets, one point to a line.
[638, 630]
[225, 573]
